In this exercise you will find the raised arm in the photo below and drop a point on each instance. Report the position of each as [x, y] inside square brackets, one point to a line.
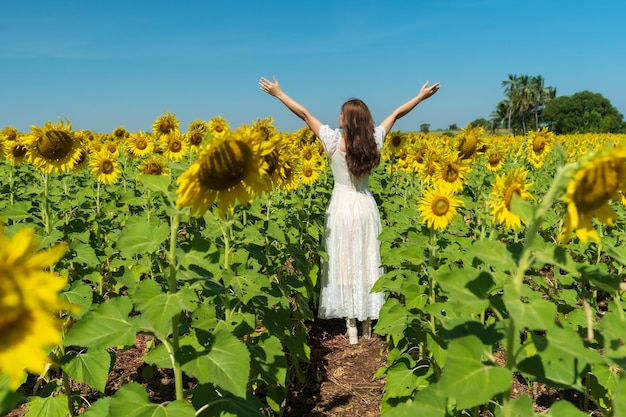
[273, 88]
[425, 92]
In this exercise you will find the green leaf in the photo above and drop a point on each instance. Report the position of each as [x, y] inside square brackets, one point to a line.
[401, 378]
[79, 295]
[91, 367]
[470, 289]
[84, 254]
[8, 397]
[48, 407]
[619, 398]
[464, 368]
[225, 404]
[219, 358]
[565, 408]
[523, 208]
[107, 326]
[142, 238]
[561, 358]
[493, 253]
[536, 314]
[392, 320]
[98, 409]
[427, 402]
[132, 401]
[158, 183]
[156, 315]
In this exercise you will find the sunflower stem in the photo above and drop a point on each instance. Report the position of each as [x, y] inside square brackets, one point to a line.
[431, 280]
[45, 210]
[226, 236]
[172, 284]
[98, 198]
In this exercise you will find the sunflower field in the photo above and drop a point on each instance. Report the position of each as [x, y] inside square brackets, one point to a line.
[504, 260]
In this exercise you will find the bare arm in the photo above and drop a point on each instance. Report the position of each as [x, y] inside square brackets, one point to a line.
[273, 88]
[425, 92]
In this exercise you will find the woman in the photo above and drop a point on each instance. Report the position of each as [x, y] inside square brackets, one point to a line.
[352, 221]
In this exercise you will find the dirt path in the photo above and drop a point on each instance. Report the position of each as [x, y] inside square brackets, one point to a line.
[339, 376]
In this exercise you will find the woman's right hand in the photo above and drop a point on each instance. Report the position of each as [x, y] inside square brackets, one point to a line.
[271, 88]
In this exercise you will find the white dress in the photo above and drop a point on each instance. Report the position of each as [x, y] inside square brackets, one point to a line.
[351, 240]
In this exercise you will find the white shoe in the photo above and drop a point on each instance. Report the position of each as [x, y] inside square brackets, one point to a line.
[366, 329]
[352, 331]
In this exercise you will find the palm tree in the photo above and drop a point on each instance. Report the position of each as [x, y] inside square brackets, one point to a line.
[523, 99]
[510, 87]
[499, 114]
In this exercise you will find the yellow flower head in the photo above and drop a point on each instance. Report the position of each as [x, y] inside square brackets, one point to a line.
[139, 145]
[538, 146]
[231, 169]
[53, 148]
[218, 127]
[503, 190]
[469, 143]
[452, 170]
[105, 167]
[165, 124]
[153, 166]
[28, 301]
[174, 145]
[439, 205]
[600, 180]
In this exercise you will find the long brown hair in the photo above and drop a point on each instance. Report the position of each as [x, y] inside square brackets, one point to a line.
[358, 126]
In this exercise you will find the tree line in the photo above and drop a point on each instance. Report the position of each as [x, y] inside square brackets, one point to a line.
[530, 104]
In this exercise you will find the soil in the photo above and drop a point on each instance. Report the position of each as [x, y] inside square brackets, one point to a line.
[338, 380]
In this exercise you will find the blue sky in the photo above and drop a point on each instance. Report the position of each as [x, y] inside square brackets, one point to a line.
[104, 64]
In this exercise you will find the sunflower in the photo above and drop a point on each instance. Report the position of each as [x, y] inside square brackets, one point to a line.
[599, 180]
[165, 125]
[395, 142]
[495, 159]
[218, 127]
[309, 172]
[231, 169]
[28, 301]
[469, 144]
[538, 146]
[174, 145]
[439, 205]
[120, 134]
[105, 167]
[452, 170]
[153, 166]
[53, 148]
[196, 133]
[15, 151]
[265, 127]
[8, 135]
[503, 189]
[139, 144]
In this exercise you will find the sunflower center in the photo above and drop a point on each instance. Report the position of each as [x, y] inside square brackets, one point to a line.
[225, 166]
[167, 126]
[18, 151]
[539, 144]
[307, 155]
[196, 138]
[153, 168]
[396, 141]
[272, 161]
[55, 144]
[598, 185]
[495, 158]
[107, 166]
[440, 206]
[450, 173]
[468, 147]
[11, 302]
[175, 146]
[141, 144]
[508, 195]
[307, 172]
